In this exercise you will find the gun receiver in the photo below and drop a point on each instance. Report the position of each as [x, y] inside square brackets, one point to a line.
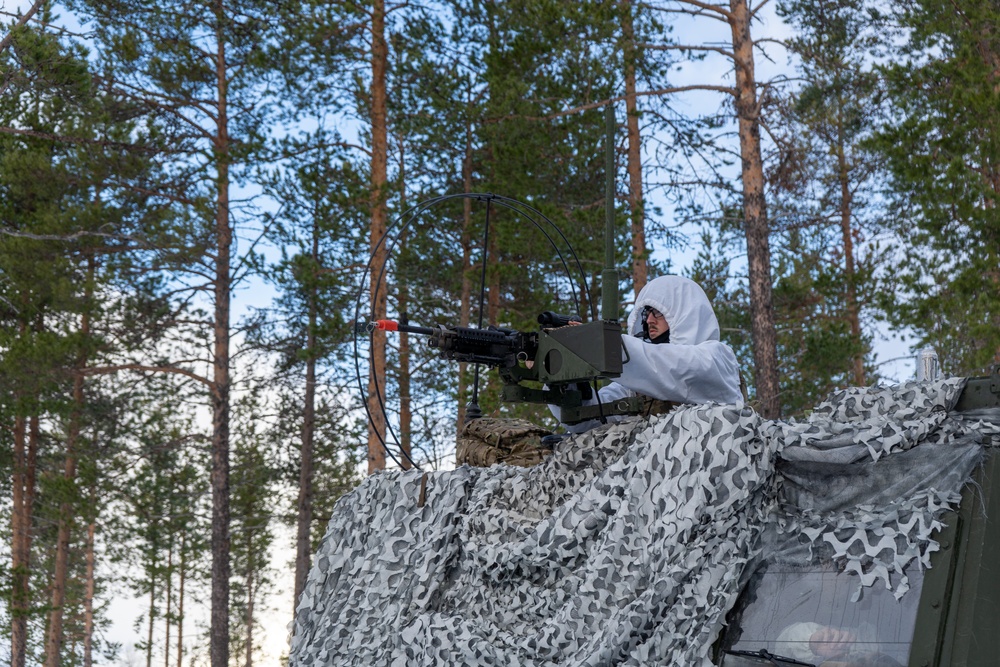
[560, 357]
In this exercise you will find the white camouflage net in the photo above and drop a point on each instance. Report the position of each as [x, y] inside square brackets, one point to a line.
[628, 546]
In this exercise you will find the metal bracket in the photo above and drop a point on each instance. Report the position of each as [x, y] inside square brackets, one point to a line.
[981, 392]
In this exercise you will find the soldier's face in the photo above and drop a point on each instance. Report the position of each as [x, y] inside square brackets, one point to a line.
[657, 325]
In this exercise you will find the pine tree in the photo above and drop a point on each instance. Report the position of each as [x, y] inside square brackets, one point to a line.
[156, 528]
[351, 72]
[825, 181]
[318, 234]
[210, 72]
[452, 104]
[520, 142]
[63, 215]
[943, 150]
[254, 485]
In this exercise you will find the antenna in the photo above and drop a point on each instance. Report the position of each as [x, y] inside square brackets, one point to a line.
[609, 277]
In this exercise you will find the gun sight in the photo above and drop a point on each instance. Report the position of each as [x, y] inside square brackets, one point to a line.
[552, 320]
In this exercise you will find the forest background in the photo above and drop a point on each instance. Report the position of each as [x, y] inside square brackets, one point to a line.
[190, 194]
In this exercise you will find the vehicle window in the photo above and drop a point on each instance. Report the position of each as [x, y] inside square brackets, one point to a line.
[806, 613]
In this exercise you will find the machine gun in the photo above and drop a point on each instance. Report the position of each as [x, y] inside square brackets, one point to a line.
[565, 359]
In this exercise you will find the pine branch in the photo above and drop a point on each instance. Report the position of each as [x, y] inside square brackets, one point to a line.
[685, 47]
[104, 143]
[753, 12]
[9, 37]
[107, 370]
[602, 103]
[69, 237]
[721, 14]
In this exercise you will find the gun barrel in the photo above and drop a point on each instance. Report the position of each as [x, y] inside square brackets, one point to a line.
[392, 325]
[493, 346]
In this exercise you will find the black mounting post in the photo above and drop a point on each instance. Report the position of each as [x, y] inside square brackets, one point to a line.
[609, 277]
[472, 410]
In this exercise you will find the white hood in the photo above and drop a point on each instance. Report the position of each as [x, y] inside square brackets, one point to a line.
[684, 306]
[694, 367]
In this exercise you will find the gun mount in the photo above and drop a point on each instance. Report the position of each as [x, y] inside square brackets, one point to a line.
[559, 361]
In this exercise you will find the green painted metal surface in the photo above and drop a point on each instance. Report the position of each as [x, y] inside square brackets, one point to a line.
[971, 630]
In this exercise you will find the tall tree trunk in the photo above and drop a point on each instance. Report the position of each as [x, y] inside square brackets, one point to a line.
[303, 533]
[23, 493]
[249, 622]
[26, 438]
[53, 644]
[152, 619]
[637, 213]
[379, 177]
[23, 498]
[755, 214]
[219, 627]
[847, 234]
[88, 599]
[248, 657]
[169, 603]
[54, 639]
[180, 604]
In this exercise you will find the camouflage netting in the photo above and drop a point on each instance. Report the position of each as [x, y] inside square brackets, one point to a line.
[631, 542]
[856, 489]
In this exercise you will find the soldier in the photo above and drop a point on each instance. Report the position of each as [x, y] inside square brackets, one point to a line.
[673, 356]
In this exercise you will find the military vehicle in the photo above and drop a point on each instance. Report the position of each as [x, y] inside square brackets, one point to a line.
[950, 617]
